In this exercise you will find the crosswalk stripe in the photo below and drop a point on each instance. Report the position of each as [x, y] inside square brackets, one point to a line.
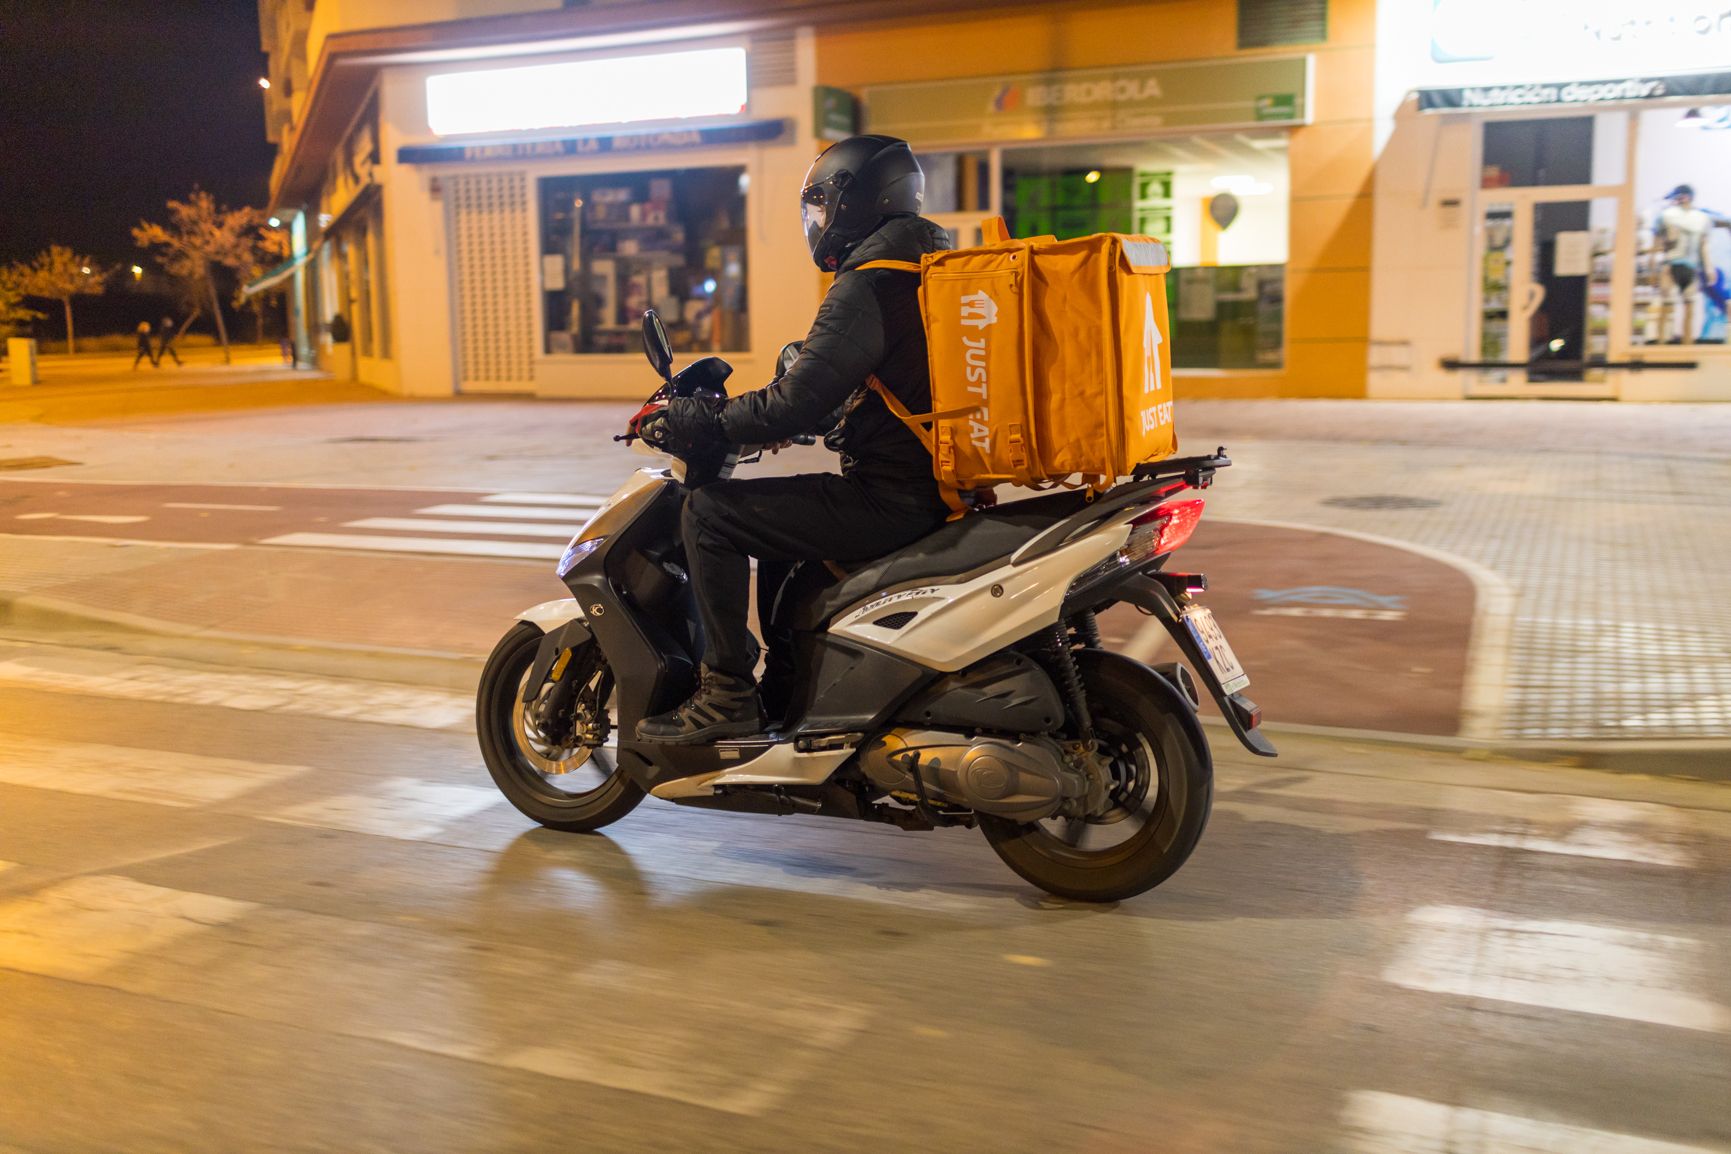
[86, 926]
[173, 779]
[1557, 965]
[1380, 1123]
[521, 550]
[495, 528]
[563, 499]
[513, 512]
[370, 701]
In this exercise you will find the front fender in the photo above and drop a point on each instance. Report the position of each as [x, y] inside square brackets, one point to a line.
[558, 633]
[550, 615]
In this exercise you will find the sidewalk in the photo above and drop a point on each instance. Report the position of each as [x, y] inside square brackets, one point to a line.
[1584, 544]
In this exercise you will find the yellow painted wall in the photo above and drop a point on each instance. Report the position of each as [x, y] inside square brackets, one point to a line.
[1328, 272]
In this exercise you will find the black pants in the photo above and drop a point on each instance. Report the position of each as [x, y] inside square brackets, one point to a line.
[780, 521]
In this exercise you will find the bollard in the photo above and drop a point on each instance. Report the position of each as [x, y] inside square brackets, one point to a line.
[21, 351]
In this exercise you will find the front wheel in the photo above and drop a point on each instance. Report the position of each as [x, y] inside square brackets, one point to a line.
[550, 756]
[1161, 786]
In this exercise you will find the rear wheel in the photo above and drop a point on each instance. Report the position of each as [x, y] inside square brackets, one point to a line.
[550, 756]
[1160, 788]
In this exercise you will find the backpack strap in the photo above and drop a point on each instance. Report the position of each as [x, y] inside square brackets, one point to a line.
[898, 265]
[916, 423]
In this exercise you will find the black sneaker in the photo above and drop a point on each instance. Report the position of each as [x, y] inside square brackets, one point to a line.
[723, 706]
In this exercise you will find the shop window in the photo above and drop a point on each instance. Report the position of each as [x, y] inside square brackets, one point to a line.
[1683, 239]
[1272, 23]
[615, 245]
[957, 182]
[1220, 202]
[1530, 153]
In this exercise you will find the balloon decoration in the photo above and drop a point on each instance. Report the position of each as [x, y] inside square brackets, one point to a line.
[1224, 209]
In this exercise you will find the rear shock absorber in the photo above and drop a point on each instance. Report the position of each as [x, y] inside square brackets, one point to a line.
[1088, 629]
[1070, 681]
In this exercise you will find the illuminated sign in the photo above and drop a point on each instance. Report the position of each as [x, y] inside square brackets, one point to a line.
[744, 133]
[573, 94]
[1575, 92]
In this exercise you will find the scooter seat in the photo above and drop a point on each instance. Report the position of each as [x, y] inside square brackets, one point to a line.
[953, 551]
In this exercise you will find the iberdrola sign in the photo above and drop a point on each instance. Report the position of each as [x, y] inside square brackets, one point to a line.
[1094, 101]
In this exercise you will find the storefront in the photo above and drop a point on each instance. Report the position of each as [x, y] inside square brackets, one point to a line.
[1552, 200]
[489, 214]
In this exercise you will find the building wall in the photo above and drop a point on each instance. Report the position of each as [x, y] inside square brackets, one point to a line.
[1328, 273]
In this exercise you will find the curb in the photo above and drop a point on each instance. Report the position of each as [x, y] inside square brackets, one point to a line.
[1690, 759]
[48, 619]
[54, 621]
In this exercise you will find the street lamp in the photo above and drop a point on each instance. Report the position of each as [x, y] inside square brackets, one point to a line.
[85, 270]
[137, 272]
[274, 222]
[264, 82]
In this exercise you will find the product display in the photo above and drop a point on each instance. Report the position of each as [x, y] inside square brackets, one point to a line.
[616, 245]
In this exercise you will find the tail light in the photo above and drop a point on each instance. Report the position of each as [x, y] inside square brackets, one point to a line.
[1162, 529]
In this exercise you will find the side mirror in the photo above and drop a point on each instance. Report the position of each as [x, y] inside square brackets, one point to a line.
[784, 359]
[656, 345]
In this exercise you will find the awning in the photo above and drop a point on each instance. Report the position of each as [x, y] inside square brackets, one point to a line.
[625, 140]
[278, 274]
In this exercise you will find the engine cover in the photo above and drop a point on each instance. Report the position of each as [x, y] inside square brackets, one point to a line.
[1024, 780]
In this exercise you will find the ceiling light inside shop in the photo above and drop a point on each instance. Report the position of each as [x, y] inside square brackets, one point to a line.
[1093, 176]
[621, 90]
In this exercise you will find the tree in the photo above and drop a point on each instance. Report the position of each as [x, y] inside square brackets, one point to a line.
[199, 239]
[270, 247]
[59, 274]
[12, 294]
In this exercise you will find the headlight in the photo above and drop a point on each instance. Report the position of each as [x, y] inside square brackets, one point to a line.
[576, 551]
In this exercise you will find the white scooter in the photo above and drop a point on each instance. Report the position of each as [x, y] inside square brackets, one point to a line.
[958, 681]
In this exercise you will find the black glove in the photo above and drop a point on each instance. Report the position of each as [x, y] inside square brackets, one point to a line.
[695, 422]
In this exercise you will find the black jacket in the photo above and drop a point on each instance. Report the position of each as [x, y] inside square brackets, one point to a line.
[869, 323]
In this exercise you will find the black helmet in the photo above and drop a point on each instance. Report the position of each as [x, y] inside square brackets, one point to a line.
[851, 188]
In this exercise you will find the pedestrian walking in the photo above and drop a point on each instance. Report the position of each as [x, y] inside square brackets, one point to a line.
[144, 349]
[288, 352]
[165, 342]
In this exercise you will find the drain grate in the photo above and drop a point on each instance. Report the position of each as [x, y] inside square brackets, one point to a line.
[372, 440]
[1382, 501]
[15, 464]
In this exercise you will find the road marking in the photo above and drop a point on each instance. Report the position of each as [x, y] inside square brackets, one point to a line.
[344, 700]
[1392, 1124]
[562, 499]
[521, 550]
[84, 540]
[93, 518]
[1574, 966]
[81, 927]
[213, 505]
[514, 512]
[498, 528]
[148, 775]
[1605, 829]
[400, 807]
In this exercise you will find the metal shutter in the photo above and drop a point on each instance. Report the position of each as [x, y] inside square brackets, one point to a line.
[489, 221]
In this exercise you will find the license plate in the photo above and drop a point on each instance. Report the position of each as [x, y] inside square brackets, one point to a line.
[1215, 650]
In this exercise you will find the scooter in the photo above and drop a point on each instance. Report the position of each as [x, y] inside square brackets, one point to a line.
[959, 681]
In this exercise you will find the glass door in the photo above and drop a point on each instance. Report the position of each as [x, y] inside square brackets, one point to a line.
[1545, 285]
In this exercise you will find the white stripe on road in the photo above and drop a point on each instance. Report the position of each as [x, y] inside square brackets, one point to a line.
[93, 518]
[175, 779]
[1590, 827]
[1574, 966]
[522, 550]
[213, 505]
[400, 807]
[494, 528]
[369, 701]
[562, 499]
[1379, 1123]
[82, 927]
[514, 512]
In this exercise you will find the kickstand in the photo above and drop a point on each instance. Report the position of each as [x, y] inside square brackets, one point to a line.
[923, 803]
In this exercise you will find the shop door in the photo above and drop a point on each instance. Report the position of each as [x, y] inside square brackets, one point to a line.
[1544, 293]
[491, 285]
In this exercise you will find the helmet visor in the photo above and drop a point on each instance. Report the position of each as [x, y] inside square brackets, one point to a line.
[814, 213]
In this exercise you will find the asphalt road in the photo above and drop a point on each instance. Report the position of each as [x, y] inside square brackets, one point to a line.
[240, 911]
